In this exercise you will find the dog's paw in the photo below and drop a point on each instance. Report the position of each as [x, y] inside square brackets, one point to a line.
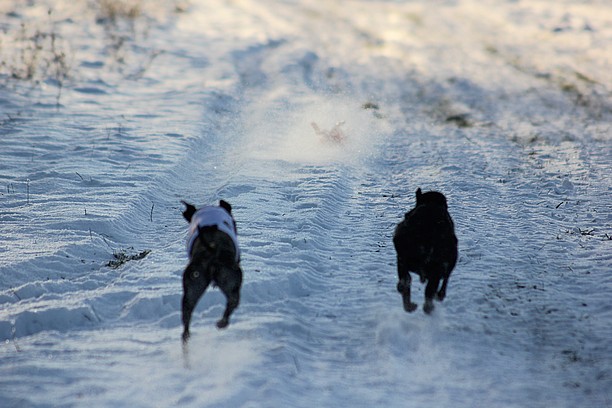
[410, 307]
[441, 295]
[222, 324]
[185, 336]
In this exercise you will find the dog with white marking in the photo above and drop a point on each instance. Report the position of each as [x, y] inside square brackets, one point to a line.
[214, 257]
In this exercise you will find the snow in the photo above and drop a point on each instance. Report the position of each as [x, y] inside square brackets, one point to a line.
[504, 106]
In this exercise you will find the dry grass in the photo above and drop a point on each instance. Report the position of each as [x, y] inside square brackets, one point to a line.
[114, 10]
[37, 48]
[36, 54]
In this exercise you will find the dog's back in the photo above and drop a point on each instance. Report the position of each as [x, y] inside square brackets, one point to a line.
[426, 240]
[214, 258]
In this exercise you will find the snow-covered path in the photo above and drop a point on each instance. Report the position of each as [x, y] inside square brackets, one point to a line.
[496, 104]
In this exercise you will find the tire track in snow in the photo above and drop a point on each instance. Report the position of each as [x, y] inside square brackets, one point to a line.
[306, 246]
[67, 292]
[511, 263]
[319, 305]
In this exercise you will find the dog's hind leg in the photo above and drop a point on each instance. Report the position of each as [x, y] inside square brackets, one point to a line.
[442, 292]
[403, 286]
[430, 292]
[230, 286]
[232, 303]
[195, 282]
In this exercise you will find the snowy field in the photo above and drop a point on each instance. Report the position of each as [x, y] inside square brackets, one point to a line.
[112, 111]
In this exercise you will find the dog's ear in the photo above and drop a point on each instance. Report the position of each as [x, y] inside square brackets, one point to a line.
[189, 211]
[442, 200]
[226, 205]
[419, 194]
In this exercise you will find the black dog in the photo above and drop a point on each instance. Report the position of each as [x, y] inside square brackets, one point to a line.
[214, 257]
[426, 244]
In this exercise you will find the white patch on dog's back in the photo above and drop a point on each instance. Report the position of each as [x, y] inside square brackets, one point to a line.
[212, 216]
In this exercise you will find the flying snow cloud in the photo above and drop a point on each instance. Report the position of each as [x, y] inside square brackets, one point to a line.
[316, 130]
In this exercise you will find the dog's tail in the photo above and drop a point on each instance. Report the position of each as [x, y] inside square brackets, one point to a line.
[211, 246]
[219, 252]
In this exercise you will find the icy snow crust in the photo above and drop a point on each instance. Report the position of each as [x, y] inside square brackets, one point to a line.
[504, 106]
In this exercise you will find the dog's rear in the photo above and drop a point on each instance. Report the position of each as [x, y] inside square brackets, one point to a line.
[426, 244]
[214, 258]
